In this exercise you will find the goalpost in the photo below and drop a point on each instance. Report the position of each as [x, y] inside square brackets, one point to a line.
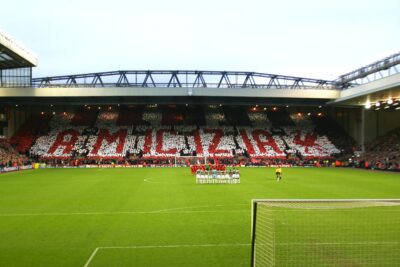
[332, 232]
[186, 161]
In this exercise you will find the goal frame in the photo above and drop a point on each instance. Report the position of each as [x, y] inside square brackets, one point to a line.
[254, 212]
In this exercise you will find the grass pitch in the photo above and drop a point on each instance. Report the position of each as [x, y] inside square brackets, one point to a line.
[153, 217]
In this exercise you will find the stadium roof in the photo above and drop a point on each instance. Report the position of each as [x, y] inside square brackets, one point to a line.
[379, 81]
[382, 68]
[380, 90]
[13, 55]
[376, 82]
[181, 78]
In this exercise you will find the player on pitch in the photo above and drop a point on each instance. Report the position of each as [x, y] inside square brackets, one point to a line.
[278, 173]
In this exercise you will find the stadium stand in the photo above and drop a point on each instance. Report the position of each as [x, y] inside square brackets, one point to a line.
[324, 125]
[194, 115]
[9, 157]
[171, 115]
[236, 116]
[258, 119]
[161, 133]
[84, 117]
[382, 153]
[130, 115]
[279, 117]
[33, 127]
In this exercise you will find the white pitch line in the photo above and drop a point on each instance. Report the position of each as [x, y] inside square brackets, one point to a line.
[167, 211]
[149, 181]
[198, 207]
[119, 212]
[176, 246]
[91, 257]
[339, 243]
[162, 246]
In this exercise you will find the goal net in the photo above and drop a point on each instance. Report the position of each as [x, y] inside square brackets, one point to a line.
[186, 161]
[326, 233]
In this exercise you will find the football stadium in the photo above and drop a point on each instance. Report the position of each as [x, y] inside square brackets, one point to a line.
[198, 167]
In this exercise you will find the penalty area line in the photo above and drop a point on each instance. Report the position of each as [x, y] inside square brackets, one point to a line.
[177, 246]
[193, 209]
[96, 250]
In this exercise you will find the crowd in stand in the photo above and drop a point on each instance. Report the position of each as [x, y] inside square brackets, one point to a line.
[88, 139]
[259, 119]
[381, 154]
[154, 118]
[215, 117]
[309, 143]
[103, 137]
[9, 157]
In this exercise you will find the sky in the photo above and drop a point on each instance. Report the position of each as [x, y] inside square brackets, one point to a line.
[310, 38]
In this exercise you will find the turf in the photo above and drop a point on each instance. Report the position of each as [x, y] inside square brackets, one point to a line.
[153, 217]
